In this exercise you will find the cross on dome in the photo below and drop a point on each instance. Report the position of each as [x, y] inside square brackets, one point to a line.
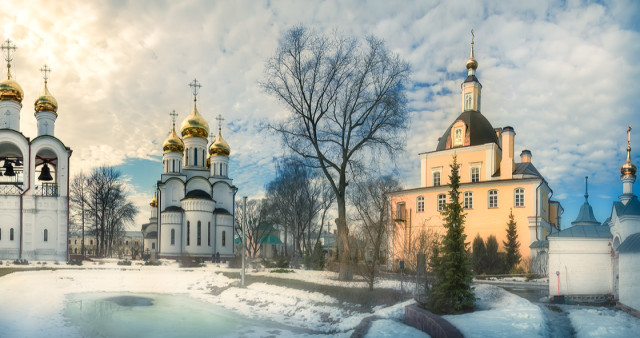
[211, 136]
[173, 115]
[629, 138]
[45, 69]
[195, 87]
[7, 47]
[220, 119]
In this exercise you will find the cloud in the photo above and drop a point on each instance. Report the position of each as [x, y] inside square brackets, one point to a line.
[562, 74]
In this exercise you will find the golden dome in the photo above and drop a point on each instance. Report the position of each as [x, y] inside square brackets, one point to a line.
[472, 63]
[219, 147]
[46, 101]
[173, 143]
[10, 90]
[195, 125]
[154, 201]
[628, 168]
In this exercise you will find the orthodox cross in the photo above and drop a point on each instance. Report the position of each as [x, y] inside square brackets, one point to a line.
[220, 119]
[211, 136]
[45, 69]
[173, 115]
[629, 137]
[195, 86]
[472, 36]
[7, 47]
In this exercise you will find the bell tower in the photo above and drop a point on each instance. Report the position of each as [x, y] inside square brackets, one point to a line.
[471, 87]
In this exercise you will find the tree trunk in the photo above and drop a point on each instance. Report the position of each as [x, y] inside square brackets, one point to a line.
[346, 266]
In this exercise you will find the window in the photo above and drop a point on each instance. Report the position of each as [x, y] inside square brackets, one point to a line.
[199, 241]
[126, 243]
[436, 178]
[442, 201]
[1, 235]
[493, 198]
[400, 211]
[174, 165]
[468, 200]
[75, 241]
[11, 234]
[224, 238]
[519, 197]
[153, 246]
[468, 101]
[46, 235]
[188, 232]
[195, 156]
[475, 174]
[91, 242]
[74, 250]
[457, 140]
[186, 159]
[209, 234]
[420, 204]
[173, 236]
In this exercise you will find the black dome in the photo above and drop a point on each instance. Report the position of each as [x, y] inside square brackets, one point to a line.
[479, 129]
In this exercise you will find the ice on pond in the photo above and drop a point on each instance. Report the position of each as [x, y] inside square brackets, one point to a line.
[159, 315]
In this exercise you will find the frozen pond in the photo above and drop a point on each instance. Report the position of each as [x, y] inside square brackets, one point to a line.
[160, 315]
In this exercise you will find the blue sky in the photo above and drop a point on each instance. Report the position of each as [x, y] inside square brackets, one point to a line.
[563, 74]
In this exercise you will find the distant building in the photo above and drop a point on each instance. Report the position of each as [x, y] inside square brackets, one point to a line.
[129, 245]
[590, 260]
[492, 184]
[192, 212]
[34, 177]
[267, 238]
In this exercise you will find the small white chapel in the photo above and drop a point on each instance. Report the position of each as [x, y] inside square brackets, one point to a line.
[34, 176]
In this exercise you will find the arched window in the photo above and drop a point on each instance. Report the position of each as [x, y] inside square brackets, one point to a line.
[126, 243]
[0, 234]
[195, 156]
[186, 159]
[75, 250]
[224, 238]
[493, 198]
[209, 234]
[91, 242]
[518, 195]
[11, 234]
[420, 204]
[173, 236]
[442, 201]
[153, 245]
[75, 241]
[199, 233]
[46, 235]
[436, 178]
[188, 232]
[468, 200]
[174, 166]
[457, 140]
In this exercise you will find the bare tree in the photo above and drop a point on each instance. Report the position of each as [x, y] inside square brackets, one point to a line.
[255, 217]
[343, 96]
[78, 207]
[104, 200]
[373, 213]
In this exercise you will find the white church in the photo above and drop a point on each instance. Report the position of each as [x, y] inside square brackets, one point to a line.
[192, 211]
[34, 176]
[592, 260]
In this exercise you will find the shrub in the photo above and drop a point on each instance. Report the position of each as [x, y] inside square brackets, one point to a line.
[153, 263]
[74, 261]
[282, 262]
[21, 261]
[124, 262]
[281, 271]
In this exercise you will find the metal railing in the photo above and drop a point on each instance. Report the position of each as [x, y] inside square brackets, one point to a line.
[10, 189]
[47, 190]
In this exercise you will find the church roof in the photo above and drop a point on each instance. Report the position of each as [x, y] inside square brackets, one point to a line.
[526, 168]
[200, 194]
[631, 208]
[539, 244]
[584, 231]
[631, 244]
[471, 78]
[269, 239]
[151, 235]
[585, 216]
[173, 208]
[221, 211]
[478, 127]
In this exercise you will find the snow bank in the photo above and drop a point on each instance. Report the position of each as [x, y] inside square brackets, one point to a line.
[603, 322]
[500, 314]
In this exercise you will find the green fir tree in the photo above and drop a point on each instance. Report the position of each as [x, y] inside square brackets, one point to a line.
[451, 292]
[512, 246]
[479, 255]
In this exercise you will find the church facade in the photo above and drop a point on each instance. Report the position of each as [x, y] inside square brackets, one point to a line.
[492, 184]
[34, 177]
[192, 211]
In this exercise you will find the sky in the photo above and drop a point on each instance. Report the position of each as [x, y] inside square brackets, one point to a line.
[563, 74]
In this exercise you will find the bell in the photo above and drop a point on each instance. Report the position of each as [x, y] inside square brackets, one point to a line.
[45, 174]
[8, 169]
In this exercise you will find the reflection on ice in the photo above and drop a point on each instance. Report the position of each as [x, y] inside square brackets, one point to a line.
[159, 315]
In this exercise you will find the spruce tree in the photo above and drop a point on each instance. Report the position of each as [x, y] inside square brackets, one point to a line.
[451, 292]
[479, 255]
[494, 261]
[512, 246]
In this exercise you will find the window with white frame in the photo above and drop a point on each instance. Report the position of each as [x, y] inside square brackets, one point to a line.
[468, 200]
[493, 198]
[518, 197]
[436, 178]
[457, 138]
[475, 174]
[442, 201]
[420, 204]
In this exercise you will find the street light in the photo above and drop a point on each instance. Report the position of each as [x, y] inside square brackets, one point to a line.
[244, 237]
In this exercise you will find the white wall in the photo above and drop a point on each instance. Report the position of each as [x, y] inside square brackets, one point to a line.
[629, 271]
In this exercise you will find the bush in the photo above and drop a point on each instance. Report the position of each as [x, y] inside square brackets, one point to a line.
[153, 263]
[281, 271]
[187, 261]
[124, 262]
[282, 262]
[74, 262]
[21, 261]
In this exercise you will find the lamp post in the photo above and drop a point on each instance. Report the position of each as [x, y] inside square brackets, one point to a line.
[244, 237]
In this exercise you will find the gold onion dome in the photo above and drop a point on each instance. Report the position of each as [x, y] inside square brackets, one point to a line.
[154, 201]
[628, 168]
[219, 147]
[46, 101]
[10, 90]
[195, 125]
[173, 143]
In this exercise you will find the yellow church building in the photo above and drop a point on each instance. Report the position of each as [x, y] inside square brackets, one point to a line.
[492, 184]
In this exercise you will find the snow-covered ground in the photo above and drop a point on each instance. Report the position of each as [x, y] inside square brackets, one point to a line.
[32, 304]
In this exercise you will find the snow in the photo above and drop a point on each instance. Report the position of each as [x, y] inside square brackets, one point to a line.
[33, 303]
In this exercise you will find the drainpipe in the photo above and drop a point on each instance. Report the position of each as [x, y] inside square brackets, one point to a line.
[537, 198]
[21, 197]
